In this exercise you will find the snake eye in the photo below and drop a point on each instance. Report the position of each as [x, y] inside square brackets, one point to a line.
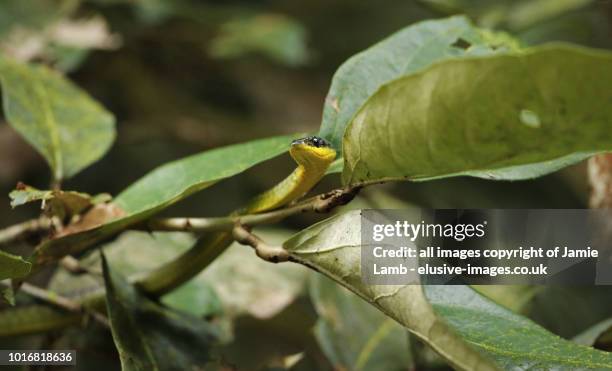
[312, 141]
[317, 142]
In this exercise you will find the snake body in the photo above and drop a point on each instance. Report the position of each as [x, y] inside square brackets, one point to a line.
[313, 156]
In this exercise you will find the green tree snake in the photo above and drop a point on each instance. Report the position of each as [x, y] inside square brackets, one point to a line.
[313, 156]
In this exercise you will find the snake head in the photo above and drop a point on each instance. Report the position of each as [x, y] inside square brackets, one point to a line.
[312, 151]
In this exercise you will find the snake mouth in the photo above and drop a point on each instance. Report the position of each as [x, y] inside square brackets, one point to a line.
[312, 141]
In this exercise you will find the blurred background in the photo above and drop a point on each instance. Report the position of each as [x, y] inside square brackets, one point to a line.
[183, 76]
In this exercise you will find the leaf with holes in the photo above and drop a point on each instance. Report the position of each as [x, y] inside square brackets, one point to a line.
[504, 116]
[405, 52]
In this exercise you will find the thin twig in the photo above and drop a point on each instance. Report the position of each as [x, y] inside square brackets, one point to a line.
[320, 204]
[61, 302]
[600, 180]
[73, 266]
[22, 230]
[50, 297]
[273, 254]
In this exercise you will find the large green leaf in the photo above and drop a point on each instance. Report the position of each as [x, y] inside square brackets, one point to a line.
[151, 337]
[484, 330]
[405, 52]
[13, 266]
[179, 179]
[364, 340]
[333, 248]
[61, 121]
[167, 185]
[511, 116]
[513, 341]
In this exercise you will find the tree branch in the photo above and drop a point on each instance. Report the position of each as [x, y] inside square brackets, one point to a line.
[321, 204]
[22, 230]
[273, 254]
[600, 180]
[73, 266]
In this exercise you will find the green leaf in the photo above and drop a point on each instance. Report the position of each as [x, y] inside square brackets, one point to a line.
[8, 295]
[405, 52]
[196, 298]
[512, 340]
[353, 334]
[24, 194]
[13, 266]
[60, 120]
[169, 184]
[517, 298]
[276, 36]
[512, 116]
[56, 202]
[151, 337]
[333, 248]
[336, 166]
[179, 179]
